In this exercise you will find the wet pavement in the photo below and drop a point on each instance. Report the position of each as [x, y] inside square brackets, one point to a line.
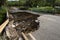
[49, 28]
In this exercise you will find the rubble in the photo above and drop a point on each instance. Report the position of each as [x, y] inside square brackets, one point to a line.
[25, 22]
[21, 22]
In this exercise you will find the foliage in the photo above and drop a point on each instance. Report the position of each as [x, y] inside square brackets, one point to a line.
[2, 2]
[13, 3]
[16, 3]
[2, 14]
[57, 2]
[43, 9]
[23, 8]
[57, 9]
[34, 3]
[50, 2]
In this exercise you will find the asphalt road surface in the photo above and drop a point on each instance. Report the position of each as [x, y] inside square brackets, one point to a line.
[49, 28]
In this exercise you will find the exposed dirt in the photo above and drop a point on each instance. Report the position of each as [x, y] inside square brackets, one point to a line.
[24, 22]
[20, 22]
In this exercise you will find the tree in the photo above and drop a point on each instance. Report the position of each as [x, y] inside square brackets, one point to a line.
[2, 2]
[50, 2]
[32, 3]
[57, 3]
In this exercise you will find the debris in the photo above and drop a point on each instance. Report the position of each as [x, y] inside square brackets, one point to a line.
[21, 22]
[25, 22]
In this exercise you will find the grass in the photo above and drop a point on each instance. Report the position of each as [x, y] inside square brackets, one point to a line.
[46, 9]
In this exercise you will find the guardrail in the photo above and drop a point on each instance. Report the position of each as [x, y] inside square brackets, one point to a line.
[2, 26]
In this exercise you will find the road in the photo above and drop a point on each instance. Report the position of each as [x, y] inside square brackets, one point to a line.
[49, 28]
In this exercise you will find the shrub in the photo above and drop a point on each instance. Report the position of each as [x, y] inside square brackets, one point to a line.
[2, 14]
[13, 3]
[57, 10]
[23, 8]
[43, 9]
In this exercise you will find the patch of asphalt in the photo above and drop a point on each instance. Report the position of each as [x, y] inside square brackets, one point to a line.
[49, 28]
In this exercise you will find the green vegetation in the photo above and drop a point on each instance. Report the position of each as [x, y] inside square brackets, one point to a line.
[46, 6]
[2, 2]
[57, 2]
[43, 9]
[57, 10]
[2, 14]
[2, 11]
[13, 3]
[16, 3]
